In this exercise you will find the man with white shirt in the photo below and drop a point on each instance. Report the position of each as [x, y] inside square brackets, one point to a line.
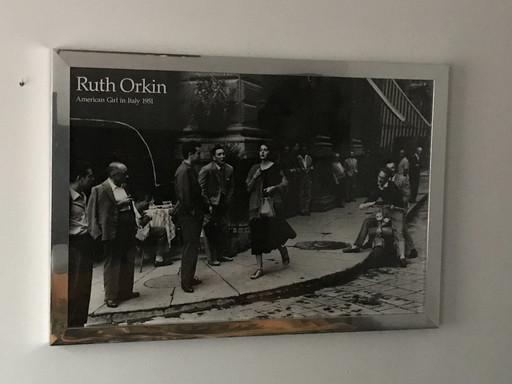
[404, 186]
[414, 173]
[338, 174]
[81, 246]
[403, 164]
[112, 220]
[351, 171]
[150, 237]
[305, 168]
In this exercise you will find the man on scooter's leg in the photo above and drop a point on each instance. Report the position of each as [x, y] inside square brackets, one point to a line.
[391, 197]
[368, 224]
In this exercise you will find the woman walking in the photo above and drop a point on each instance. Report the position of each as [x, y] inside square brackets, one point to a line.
[267, 233]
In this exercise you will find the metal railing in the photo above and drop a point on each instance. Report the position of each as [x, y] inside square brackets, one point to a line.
[399, 116]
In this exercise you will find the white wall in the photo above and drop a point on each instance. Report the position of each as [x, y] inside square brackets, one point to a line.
[474, 343]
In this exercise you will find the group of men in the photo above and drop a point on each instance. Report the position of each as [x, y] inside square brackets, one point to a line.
[108, 216]
[344, 176]
[298, 167]
[397, 186]
[203, 202]
[112, 217]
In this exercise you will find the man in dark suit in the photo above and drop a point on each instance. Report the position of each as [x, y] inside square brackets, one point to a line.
[190, 213]
[414, 173]
[81, 246]
[112, 220]
[289, 164]
[217, 187]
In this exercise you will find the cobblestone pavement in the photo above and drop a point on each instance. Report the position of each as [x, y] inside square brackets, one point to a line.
[378, 291]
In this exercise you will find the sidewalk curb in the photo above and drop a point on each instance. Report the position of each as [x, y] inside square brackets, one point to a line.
[299, 288]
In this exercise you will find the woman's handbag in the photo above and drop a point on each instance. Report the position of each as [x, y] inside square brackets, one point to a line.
[267, 207]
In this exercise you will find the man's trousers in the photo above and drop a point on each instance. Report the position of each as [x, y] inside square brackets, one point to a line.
[81, 248]
[119, 263]
[191, 230]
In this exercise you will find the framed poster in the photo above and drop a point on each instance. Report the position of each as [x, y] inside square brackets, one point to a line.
[219, 196]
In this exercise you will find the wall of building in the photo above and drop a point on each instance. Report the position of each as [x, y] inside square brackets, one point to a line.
[474, 342]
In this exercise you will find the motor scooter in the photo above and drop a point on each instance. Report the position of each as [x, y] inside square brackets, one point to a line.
[384, 250]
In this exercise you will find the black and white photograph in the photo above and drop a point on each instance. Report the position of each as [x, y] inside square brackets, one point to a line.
[256, 192]
[213, 197]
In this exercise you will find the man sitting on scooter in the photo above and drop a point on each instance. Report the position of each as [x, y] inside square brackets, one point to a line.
[394, 208]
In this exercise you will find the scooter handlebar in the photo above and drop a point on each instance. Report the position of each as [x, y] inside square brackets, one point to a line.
[380, 204]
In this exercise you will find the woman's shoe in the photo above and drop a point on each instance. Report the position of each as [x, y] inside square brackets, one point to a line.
[257, 274]
[284, 255]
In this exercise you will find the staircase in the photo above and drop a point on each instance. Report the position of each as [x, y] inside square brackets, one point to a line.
[399, 116]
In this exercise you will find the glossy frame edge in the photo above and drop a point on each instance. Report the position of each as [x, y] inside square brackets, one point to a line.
[63, 60]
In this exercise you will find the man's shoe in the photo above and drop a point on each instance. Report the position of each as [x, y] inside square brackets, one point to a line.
[214, 263]
[132, 295]
[162, 263]
[196, 281]
[112, 303]
[413, 254]
[403, 262]
[225, 258]
[187, 288]
[353, 249]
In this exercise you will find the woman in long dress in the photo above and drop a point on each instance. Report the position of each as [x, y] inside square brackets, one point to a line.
[266, 179]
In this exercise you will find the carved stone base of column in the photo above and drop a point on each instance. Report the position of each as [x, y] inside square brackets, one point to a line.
[240, 138]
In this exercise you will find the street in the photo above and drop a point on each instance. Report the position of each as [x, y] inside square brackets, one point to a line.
[377, 291]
